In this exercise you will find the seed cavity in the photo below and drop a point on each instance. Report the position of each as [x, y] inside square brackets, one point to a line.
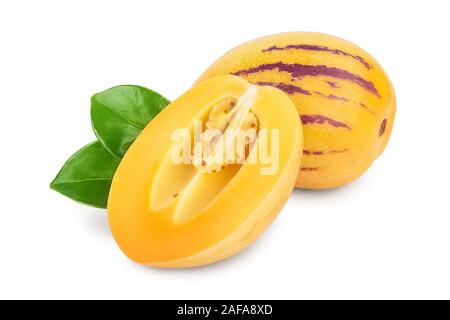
[230, 132]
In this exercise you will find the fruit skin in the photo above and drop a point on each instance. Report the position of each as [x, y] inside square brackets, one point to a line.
[345, 100]
[157, 209]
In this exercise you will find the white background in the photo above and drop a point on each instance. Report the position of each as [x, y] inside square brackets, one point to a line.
[387, 235]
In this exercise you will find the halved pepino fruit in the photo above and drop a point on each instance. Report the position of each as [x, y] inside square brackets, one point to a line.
[207, 175]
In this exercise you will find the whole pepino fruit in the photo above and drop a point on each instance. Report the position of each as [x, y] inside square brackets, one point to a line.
[345, 100]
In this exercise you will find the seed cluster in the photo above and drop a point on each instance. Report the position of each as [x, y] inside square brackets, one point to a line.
[213, 153]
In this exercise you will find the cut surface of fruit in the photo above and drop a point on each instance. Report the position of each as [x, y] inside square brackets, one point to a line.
[207, 175]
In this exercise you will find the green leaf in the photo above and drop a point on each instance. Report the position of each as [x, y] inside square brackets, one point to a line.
[86, 177]
[119, 114]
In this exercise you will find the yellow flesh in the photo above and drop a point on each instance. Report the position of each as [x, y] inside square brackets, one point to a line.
[170, 215]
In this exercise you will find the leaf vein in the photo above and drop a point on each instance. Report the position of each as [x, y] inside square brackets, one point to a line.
[134, 124]
[81, 180]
